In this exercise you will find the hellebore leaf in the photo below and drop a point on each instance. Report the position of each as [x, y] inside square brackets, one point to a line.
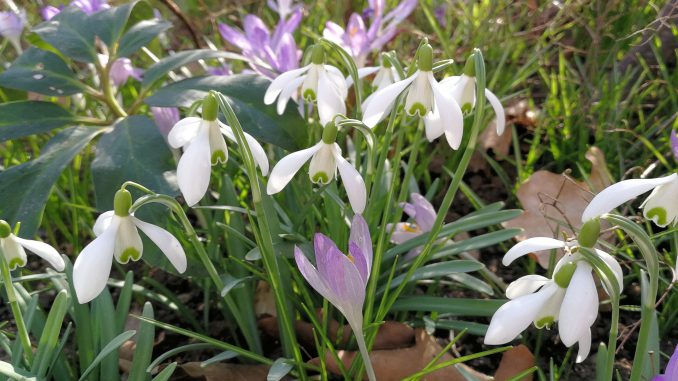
[41, 72]
[71, 33]
[179, 59]
[141, 34]
[24, 118]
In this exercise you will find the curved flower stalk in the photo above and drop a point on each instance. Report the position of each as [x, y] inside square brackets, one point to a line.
[316, 81]
[14, 249]
[11, 26]
[671, 372]
[463, 90]
[425, 98]
[267, 54]
[325, 159]
[661, 206]
[358, 40]
[118, 237]
[203, 139]
[342, 279]
[424, 215]
[569, 298]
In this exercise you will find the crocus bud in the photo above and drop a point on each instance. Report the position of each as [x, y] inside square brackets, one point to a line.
[122, 202]
[210, 108]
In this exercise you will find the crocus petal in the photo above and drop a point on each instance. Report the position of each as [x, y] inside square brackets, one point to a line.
[425, 214]
[614, 266]
[359, 261]
[403, 232]
[498, 111]
[530, 245]
[525, 285]
[360, 234]
[287, 167]
[515, 316]
[234, 37]
[381, 101]
[93, 266]
[167, 243]
[311, 275]
[184, 131]
[345, 281]
[334, 32]
[321, 245]
[103, 222]
[672, 367]
[330, 102]
[353, 183]
[194, 169]
[617, 194]
[584, 346]
[450, 114]
[580, 305]
[44, 251]
[281, 81]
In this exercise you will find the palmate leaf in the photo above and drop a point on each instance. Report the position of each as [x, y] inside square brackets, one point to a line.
[41, 72]
[24, 118]
[245, 93]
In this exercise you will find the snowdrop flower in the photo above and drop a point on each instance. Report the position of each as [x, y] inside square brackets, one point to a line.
[165, 118]
[425, 98]
[11, 27]
[283, 7]
[424, 215]
[118, 237]
[569, 298]
[317, 81]
[661, 206]
[386, 75]
[203, 139]
[14, 249]
[342, 279]
[463, 90]
[671, 372]
[325, 159]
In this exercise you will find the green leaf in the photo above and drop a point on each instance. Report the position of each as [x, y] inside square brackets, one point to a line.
[279, 369]
[50, 334]
[71, 33]
[141, 34]
[133, 151]
[24, 188]
[144, 348]
[223, 356]
[41, 72]
[245, 93]
[166, 373]
[454, 306]
[177, 60]
[23, 118]
[112, 345]
[109, 24]
[436, 270]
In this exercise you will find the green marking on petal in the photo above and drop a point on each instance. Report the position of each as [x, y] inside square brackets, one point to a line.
[564, 274]
[309, 95]
[658, 212]
[320, 178]
[130, 253]
[545, 322]
[417, 108]
[16, 262]
[218, 157]
[466, 108]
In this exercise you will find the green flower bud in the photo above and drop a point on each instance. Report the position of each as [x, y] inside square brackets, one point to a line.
[589, 232]
[385, 62]
[330, 133]
[564, 274]
[470, 66]
[425, 57]
[5, 229]
[122, 202]
[318, 54]
[210, 108]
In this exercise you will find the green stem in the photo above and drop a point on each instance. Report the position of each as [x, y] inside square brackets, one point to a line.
[108, 94]
[22, 331]
[360, 338]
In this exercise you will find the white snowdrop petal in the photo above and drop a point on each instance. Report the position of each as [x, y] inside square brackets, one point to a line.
[614, 266]
[281, 81]
[330, 102]
[450, 114]
[194, 169]
[93, 266]
[102, 222]
[167, 243]
[525, 285]
[531, 245]
[184, 131]
[287, 167]
[580, 305]
[287, 93]
[353, 183]
[498, 111]
[382, 101]
[42, 250]
[584, 346]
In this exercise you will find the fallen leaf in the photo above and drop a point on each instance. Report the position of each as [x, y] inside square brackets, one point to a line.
[225, 371]
[514, 361]
[264, 301]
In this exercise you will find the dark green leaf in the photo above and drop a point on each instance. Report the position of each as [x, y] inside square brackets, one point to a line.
[133, 151]
[71, 33]
[162, 67]
[454, 306]
[279, 369]
[112, 345]
[110, 23]
[23, 118]
[245, 93]
[25, 187]
[141, 34]
[436, 270]
[144, 348]
[41, 72]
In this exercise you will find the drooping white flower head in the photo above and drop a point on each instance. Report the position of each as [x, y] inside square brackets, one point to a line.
[325, 159]
[570, 298]
[425, 98]
[386, 75]
[14, 249]
[317, 82]
[204, 146]
[118, 237]
[661, 206]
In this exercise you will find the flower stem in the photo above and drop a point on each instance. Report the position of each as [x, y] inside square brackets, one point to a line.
[360, 338]
[22, 331]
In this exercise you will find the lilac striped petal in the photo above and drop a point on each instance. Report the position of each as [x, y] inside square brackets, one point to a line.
[256, 32]
[425, 214]
[343, 280]
[409, 209]
[334, 33]
[674, 143]
[322, 245]
[312, 275]
[234, 37]
[359, 261]
[401, 12]
[356, 36]
[49, 11]
[360, 235]
[286, 27]
[288, 54]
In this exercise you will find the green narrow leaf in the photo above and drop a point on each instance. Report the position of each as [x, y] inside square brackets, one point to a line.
[124, 301]
[104, 312]
[24, 118]
[223, 356]
[245, 93]
[71, 33]
[49, 339]
[24, 188]
[279, 369]
[143, 351]
[41, 72]
[141, 34]
[454, 306]
[175, 351]
[112, 346]
[179, 59]
[436, 270]
[231, 282]
[166, 373]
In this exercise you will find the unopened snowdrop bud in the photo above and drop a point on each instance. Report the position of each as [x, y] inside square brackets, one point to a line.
[14, 249]
[589, 232]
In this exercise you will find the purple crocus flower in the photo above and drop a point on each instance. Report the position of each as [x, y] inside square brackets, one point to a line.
[674, 143]
[165, 118]
[89, 7]
[424, 215]
[358, 40]
[50, 11]
[268, 53]
[439, 12]
[342, 279]
[122, 69]
[11, 27]
[671, 372]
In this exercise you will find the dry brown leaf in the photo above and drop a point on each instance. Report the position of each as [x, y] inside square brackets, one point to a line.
[553, 203]
[225, 371]
[264, 301]
[514, 361]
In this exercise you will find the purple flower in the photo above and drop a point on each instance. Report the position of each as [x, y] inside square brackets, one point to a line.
[50, 11]
[674, 143]
[89, 7]
[220, 70]
[439, 13]
[11, 27]
[358, 40]
[267, 53]
[671, 372]
[122, 69]
[424, 215]
[165, 118]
